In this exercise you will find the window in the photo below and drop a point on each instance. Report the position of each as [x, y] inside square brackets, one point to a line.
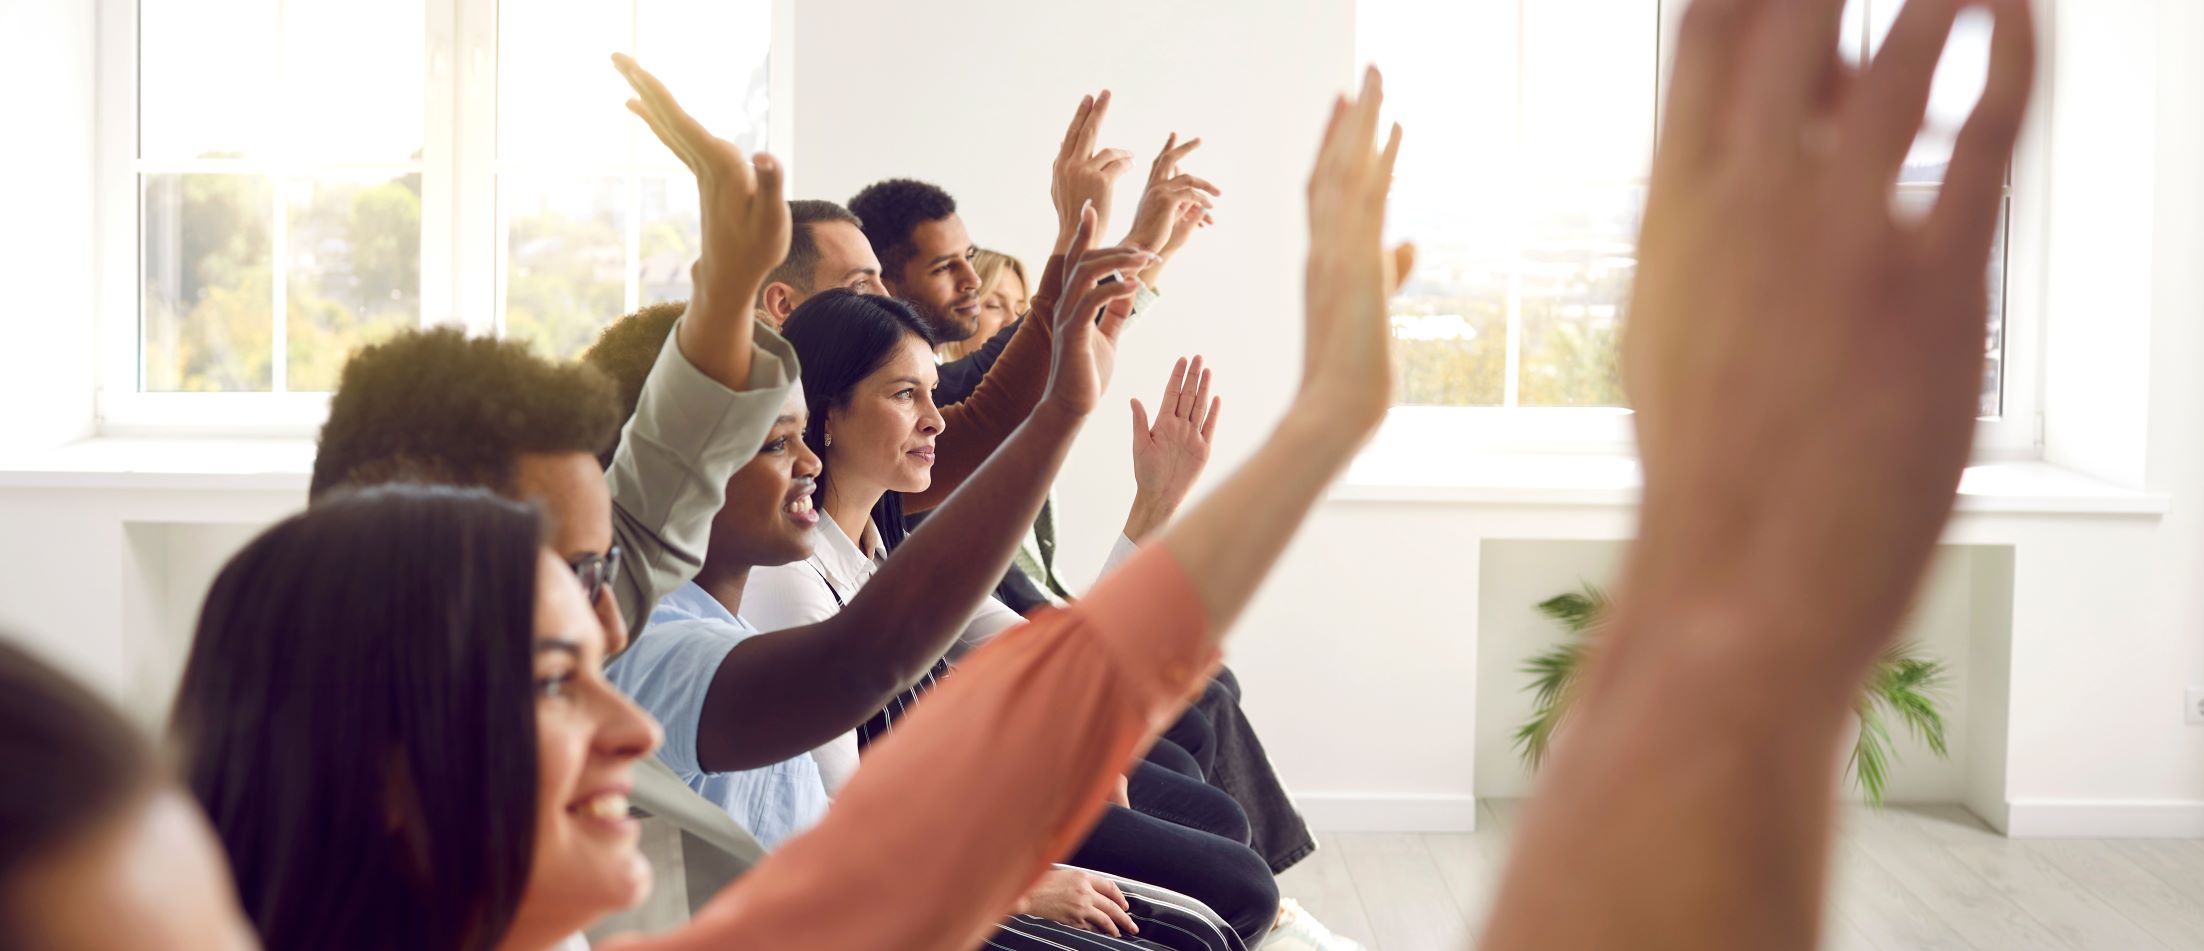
[1534, 125]
[314, 175]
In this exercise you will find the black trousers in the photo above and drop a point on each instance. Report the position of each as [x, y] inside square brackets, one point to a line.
[1237, 764]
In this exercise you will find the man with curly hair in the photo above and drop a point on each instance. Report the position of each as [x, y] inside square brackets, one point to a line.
[437, 406]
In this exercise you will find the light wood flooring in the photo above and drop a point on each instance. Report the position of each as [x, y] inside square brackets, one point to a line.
[1907, 877]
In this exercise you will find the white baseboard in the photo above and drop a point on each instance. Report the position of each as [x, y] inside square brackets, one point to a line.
[1389, 812]
[2104, 819]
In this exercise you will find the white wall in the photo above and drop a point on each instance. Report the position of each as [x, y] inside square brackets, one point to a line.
[46, 364]
[1362, 655]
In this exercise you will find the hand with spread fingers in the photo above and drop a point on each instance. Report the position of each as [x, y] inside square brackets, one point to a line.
[1085, 175]
[1805, 365]
[745, 225]
[1782, 302]
[1090, 315]
[1172, 207]
[1170, 453]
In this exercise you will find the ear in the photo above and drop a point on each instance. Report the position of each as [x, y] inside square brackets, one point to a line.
[775, 303]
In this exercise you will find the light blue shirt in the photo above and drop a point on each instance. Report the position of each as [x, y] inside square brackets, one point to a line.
[669, 671]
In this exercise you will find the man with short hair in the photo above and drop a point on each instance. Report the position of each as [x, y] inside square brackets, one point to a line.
[826, 249]
[436, 406]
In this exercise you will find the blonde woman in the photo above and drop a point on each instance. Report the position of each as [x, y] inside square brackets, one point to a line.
[1004, 296]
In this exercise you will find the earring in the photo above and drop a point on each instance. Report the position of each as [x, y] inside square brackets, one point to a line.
[830, 439]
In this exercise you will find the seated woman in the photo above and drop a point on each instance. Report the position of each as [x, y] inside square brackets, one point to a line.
[98, 848]
[380, 683]
[868, 377]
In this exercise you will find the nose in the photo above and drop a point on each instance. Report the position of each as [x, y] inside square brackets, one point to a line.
[624, 731]
[929, 419]
[807, 462]
[968, 278]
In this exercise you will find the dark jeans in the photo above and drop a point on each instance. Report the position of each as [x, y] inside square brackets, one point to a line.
[1219, 871]
[1238, 765]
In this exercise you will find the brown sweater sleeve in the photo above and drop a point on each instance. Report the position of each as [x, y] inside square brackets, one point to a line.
[1004, 397]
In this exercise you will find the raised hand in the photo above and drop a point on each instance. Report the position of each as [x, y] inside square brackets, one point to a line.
[1083, 174]
[1090, 314]
[1170, 453]
[1170, 200]
[1347, 357]
[1804, 364]
[745, 227]
[1781, 303]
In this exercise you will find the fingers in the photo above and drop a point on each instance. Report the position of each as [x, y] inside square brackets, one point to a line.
[1092, 129]
[770, 178]
[1119, 915]
[1200, 399]
[664, 137]
[1167, 160]
[1709, 54]
[1965, 220]
[1793, 52]
[1382, 182]
[1140, 424]
[1078, 123]
[1194, 183]
[1172, 388]
[1182, 390]
[1362, 120]
[1110, 890]
[1113, 162]
[1082, 236]
[1096, 917]
[1894, 93]
[1209, 421]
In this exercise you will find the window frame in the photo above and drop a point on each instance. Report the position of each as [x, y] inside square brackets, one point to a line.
[2016, 434]
[462, 248]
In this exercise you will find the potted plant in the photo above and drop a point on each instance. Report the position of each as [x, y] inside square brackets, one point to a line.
[1903, 685]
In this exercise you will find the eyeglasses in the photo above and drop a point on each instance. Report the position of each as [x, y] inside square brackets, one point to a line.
[596, 572]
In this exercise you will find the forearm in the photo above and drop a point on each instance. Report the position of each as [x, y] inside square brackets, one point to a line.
[1236, 534]
[715, 333]
[782, 694]
[1694, 790]
[910, 613]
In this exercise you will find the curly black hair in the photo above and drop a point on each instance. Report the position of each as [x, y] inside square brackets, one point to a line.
[438, 406]
[891, 210]
[626, 351]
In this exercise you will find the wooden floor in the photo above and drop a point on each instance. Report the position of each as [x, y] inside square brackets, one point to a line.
[1907, 877]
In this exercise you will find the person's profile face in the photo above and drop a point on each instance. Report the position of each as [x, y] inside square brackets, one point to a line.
[883, 435]
[589, 735]
[939, 279]
[571, 488]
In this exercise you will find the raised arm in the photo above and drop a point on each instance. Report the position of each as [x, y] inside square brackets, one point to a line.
[1805, 369]
[975, 425]
[779, 694]
[716, 388]
[745, 229]
[1066, 700]
[1173, 206]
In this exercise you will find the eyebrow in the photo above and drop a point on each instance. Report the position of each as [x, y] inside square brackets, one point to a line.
[951, 256]
[915, 381]
[555, 645]
[865, 271]
[787, 419]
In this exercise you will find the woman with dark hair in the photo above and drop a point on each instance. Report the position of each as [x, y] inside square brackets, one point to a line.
[868, 377]
[357, 715]
[98, 848]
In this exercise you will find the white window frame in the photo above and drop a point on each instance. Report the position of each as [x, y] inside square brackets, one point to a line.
[461, 245]
[2015, 434]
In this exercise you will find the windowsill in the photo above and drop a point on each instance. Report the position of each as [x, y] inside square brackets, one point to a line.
[1493, 479]
[202, 465]
[1614, 481]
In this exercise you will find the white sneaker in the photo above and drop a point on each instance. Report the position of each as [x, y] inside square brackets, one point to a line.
[1297, 930]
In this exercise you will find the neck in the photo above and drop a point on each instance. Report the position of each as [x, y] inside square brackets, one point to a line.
[536, 935]
[851, 509]
[724, 583]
